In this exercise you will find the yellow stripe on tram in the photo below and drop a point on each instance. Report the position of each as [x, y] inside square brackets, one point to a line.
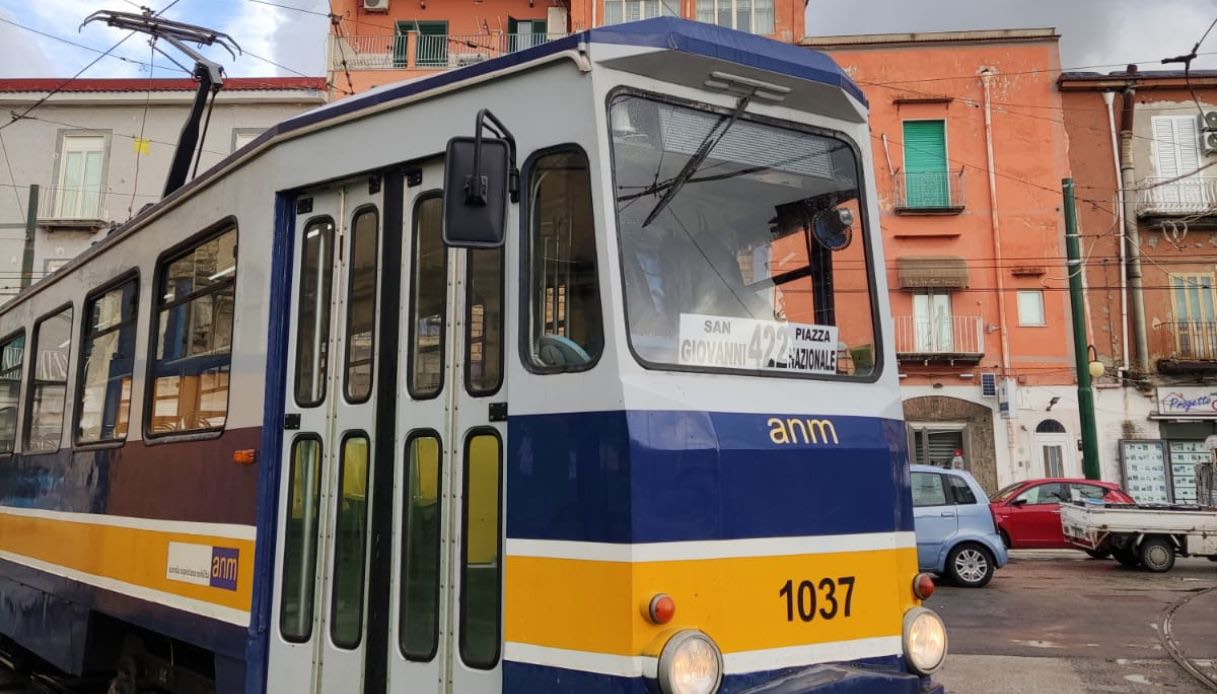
[744, 603]
[211, 569]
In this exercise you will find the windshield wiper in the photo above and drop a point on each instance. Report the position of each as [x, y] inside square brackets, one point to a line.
[703, 150]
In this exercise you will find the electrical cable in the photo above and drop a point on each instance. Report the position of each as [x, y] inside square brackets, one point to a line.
[139, 143]
[73, 43]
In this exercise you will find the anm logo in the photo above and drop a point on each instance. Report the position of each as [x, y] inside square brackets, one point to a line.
[795, 430]
[225, 565]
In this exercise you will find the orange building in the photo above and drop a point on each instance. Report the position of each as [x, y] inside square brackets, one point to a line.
[969, 153]
[378, 42]
[1158, 403]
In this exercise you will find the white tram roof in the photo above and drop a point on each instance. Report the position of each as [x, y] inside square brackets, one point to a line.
[664, 48]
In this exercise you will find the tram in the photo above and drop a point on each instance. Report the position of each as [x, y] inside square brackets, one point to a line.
[569, 371]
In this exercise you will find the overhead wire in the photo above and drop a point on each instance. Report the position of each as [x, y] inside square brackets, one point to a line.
[8, 163]
[69, 42]
[139, 143]
[58, 88]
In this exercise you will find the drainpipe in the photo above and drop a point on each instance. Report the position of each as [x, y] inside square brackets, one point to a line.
[1110, 98]
[1131, 233]
[986, 75]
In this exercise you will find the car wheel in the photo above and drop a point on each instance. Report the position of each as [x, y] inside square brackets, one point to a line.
[1157, 554]
[1098, 553]
[1127, 557]
[970, 565]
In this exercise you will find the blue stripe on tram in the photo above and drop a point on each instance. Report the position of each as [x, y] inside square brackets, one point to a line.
[666, 476]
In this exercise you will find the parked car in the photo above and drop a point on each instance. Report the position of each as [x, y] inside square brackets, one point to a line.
[956, 531]
[1029, 513]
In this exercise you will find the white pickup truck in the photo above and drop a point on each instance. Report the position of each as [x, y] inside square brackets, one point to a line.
[1146, 535]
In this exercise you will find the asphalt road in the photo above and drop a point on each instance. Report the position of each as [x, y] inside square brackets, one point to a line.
[1065, 623]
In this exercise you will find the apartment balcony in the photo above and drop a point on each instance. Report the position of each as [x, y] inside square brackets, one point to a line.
[1185, 346]
[1192, 196]
[947, 339]
[83, 209]
[930, 192]
[414, 51]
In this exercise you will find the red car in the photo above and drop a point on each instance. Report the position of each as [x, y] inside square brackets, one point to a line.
[1028, 513]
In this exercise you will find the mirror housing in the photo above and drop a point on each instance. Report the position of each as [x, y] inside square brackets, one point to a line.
[1019, 502]
[479, 176]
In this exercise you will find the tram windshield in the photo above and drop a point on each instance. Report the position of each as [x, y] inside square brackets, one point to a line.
[743, 244]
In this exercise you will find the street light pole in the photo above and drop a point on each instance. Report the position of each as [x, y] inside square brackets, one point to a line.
[1081, 349]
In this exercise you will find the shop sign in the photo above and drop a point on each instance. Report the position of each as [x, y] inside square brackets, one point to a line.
[1193, 401]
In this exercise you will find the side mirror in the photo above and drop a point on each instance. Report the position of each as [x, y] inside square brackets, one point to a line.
[479, 176]
[1019, 502]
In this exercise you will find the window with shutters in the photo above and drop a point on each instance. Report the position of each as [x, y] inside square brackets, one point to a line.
[1177, 153]
[927, 175]
[1195, 324]
[755, 16]
[81, 175]
[618, 11]
[934, 322]
[934, 443]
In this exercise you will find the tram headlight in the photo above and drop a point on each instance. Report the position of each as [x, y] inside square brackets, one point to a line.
[925, 640]
[690, 664]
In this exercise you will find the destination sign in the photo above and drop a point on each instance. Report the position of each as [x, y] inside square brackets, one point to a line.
[748, 343]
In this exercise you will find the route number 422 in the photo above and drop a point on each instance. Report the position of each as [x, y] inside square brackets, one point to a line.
[830, 598]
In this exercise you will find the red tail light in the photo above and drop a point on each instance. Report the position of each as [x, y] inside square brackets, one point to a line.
[923, 586]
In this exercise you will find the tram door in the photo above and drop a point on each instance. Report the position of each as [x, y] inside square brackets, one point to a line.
[328, 440]
[449, 510]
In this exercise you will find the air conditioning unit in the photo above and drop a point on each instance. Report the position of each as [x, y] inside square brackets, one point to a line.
[1208, 143]
[988, 385]
[556, 21]
[376, 5]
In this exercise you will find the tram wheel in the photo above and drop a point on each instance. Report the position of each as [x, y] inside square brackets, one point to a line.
[970, 565]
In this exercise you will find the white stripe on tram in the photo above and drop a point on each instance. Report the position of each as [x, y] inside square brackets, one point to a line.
[231, 531]
[585, 661]
[710, 549]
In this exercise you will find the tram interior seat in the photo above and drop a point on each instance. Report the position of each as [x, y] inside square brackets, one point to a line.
[557, 350]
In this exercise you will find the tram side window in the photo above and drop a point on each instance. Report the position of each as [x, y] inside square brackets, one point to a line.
[566, 328]
[49, 387]
[428, 299]
[481, 552]
[12, 356]
[420, 550]
[313, 323]
[108, 355]
[361, 311]
[190, 372]
[300, 540]
[350, 542]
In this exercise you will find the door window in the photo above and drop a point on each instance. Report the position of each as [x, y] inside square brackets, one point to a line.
[935, 323]
[49, 385]
[350, 542]
[926, 174]
[481, 551]
[484, 322]
[1088, 491]
[418, 633]
[928, 490]
[428, 299]
[361, 305]
[108, 355]
[566, 333]
[313, 323]
[1054, 461]
[300, 540]
[80, 177]
[1052, 493]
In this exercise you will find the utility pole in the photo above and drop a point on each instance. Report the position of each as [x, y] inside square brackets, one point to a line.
[1081, 349]
[31, 228]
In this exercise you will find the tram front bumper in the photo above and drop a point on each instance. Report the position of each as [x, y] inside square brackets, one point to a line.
[843, 678]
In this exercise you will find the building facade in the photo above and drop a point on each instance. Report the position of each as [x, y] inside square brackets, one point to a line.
[969, 155]
[377, 42]
[100, 150]
[1140, 143]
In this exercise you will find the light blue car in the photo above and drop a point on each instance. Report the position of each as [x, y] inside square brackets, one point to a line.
[956, 531]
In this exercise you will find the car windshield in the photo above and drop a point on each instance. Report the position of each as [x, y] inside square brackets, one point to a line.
[753, 258]
[1006, 492]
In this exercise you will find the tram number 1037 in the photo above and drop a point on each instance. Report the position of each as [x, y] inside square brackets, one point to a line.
[830, 598]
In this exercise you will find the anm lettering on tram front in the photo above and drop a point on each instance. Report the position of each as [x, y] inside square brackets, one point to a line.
[799, 430]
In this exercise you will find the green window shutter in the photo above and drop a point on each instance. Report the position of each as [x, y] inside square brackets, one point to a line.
[926, 177]
[432, 44]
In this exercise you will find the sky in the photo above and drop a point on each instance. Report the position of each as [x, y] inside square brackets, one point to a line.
[1106, 33]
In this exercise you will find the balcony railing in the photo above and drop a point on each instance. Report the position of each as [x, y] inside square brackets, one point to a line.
[1190, 196]
[939, 192]
[948, 337]
[414, 51]
[1188, 340]
[73, 205]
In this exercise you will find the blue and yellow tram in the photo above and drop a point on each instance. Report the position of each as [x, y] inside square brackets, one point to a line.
[592, 393]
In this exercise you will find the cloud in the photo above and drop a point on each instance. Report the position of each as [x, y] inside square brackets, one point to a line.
[1108, 33]
[20, 53]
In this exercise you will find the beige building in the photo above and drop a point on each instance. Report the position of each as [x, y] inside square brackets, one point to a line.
[100, 149]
